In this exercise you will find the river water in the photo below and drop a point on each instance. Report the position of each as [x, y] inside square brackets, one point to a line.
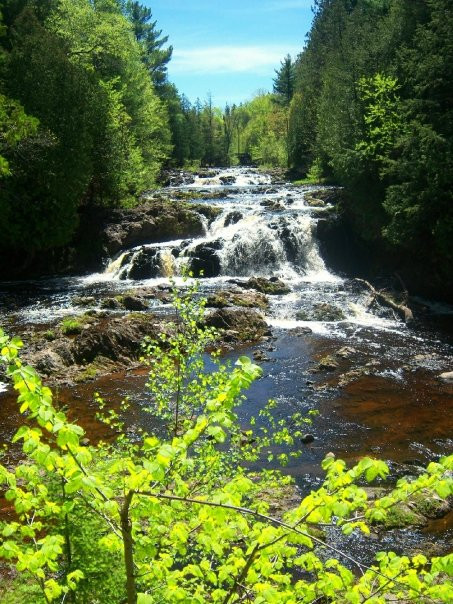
[391, 404]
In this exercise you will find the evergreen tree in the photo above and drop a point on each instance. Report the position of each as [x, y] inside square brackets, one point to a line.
[284, 82]
[151, 40]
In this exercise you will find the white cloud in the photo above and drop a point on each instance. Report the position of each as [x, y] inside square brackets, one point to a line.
[229, 59]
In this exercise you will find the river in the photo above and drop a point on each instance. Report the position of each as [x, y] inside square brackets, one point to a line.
[383, 398]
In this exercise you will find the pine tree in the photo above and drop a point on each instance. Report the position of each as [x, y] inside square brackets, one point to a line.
[284, 82]
[155, 57]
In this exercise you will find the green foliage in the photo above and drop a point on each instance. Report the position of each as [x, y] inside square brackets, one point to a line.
[15, 125]
[71, 326]
[103, 132]
[372, 105]
[284, 82]
[175, 516]
[265, 132]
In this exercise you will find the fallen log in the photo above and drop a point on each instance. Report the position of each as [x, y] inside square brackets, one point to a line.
[404, 311]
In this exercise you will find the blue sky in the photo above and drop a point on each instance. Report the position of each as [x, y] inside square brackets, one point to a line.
[230, 48]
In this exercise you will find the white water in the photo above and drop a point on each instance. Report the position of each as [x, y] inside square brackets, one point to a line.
[262, 231]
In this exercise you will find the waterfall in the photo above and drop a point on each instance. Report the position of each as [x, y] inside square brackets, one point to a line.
[259, 232]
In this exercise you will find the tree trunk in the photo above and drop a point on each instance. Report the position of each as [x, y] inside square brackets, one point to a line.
[403, 310]
[128, 545]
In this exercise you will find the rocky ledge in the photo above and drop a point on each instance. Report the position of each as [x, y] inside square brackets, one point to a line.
[156, 220]
[103, 341]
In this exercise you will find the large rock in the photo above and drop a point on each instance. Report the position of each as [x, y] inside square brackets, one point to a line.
[204, 259]
[247, 299]
[117, 340]
[154, 221]
[239, 324]
[289, 241]
[233, 218]
[323, 311]
[272, 286]
[145, 264]
[447, 376]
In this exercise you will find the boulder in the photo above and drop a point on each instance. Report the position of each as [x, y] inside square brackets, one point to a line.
[290, 242]
[145, 265]
[153, 221]
[327, 363]
[240, 325]
[226, 298]
[323, 311]
[274, 205]
[447, 376]
[117, 340]
[346, 352]
[134, 303]
[272, 286]
[227, 180]
[233, 218]
[111, 304]
[47, 362]
[204, 259]
[84, 300]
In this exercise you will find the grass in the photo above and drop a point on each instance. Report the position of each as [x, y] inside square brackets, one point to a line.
[71, 326]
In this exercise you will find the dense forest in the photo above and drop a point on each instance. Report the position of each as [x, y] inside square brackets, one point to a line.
[87, 116]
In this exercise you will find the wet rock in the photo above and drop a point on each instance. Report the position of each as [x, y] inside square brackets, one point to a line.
[233, 218]
[358, 372]
[447, 376]
[155, 220]
[145, 265]
[117, 340]
[207, 173]
[174, 178]
[273, 205]
[47, 362]
[289, 241]
[111, 304]
[227, 180]
[306, 439]
[315, 203]
[261, 356]
[346, 352]
[84, 300]
[134, 303]
[327, 363]
[241, 325]
[301, 331]
[329, 195]
[327, 312]
[321, 312]
[272, 286]
[226, 298]
[63, 350]
[204, 259]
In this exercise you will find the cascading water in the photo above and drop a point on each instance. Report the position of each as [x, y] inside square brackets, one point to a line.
[264, 231]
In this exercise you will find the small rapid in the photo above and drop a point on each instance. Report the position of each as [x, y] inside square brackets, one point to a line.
[262, 230]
